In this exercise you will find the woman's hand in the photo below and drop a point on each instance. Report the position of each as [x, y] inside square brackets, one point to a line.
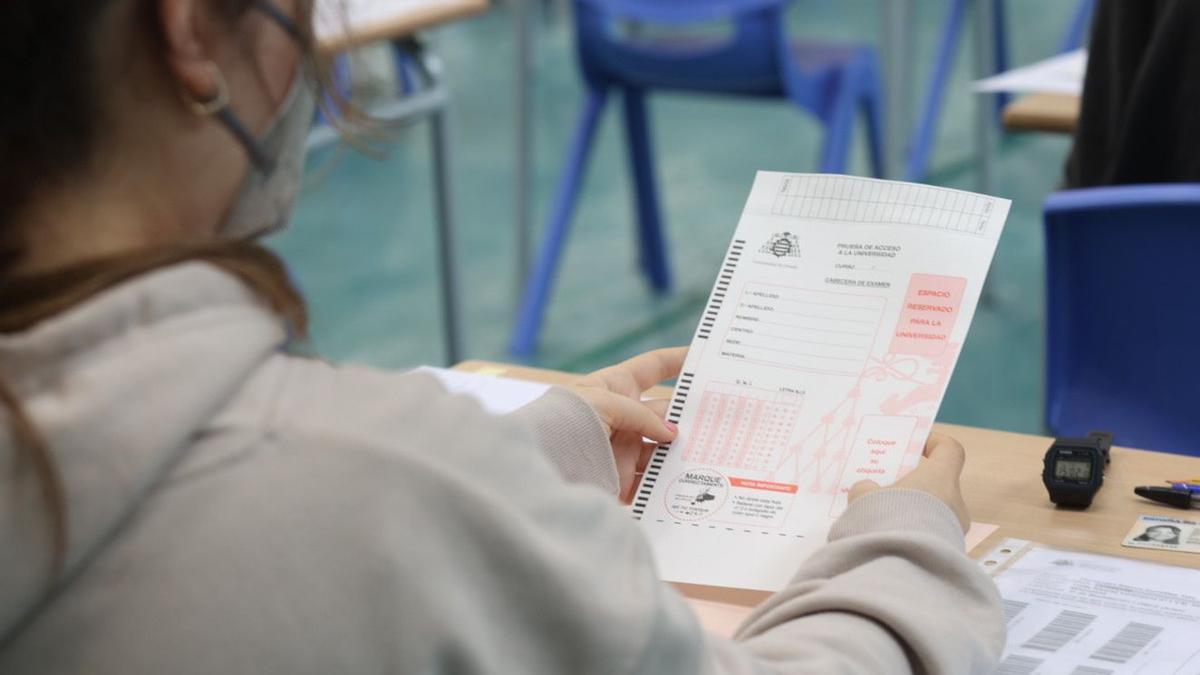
[615, 393]
[938, 474]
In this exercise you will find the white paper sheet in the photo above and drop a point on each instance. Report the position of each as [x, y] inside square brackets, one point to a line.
[497, 395]
[1061, 74]
[820, 360]
[1083, 614]
[333, 18]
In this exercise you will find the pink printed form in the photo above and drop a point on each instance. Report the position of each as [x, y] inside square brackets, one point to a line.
[930, 310]
[879, 447]
[820, 360]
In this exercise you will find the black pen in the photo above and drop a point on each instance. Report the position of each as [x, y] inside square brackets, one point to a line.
[1183, 499]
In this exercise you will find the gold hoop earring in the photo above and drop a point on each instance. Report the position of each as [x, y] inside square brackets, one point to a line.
[217, 102]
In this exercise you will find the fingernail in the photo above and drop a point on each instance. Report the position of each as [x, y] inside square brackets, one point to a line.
[671, 426]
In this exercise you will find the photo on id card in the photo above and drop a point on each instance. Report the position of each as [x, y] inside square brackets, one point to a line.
[1164, 533]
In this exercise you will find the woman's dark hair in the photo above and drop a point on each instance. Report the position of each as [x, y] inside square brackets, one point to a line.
[46, 124]
[49, 125]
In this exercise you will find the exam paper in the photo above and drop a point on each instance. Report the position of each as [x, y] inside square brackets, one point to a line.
[1082, 614]
[1061, 74]
[820, 360]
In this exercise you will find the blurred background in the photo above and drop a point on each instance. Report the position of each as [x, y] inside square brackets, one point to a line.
[363, 248]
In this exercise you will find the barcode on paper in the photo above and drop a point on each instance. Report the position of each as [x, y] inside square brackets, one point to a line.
[1064, 628]
[1126, 644]
[1090, 670]
[1012, 608]
[1015, 664]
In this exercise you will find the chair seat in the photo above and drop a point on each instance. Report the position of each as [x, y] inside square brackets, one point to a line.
[670, 64]
[684, 64]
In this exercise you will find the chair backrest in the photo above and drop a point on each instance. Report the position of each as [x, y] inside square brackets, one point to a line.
[1123, 314]
[681, 11]
[745, 61]
[1077, 30]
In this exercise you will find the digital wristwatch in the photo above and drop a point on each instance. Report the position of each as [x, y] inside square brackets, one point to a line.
[1073, 470]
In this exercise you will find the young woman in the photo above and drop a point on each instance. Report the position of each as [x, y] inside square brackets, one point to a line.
[181, 495]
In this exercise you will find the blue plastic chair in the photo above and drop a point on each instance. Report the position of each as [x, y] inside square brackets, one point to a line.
[833, 82]
[1077, 30]
[1123, 315]
[923, 137]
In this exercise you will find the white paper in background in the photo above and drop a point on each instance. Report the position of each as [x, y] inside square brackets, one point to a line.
[1062, 74]
[333, 18]
[1084, 614]
[821, 360]
[497, 395]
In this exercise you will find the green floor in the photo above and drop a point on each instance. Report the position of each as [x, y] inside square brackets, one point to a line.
[362, 244]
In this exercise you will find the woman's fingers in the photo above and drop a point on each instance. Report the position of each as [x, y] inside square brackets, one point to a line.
[615, 392]
[658, 406]
[629, 486]
[626, 453]
[647, 452]
[644, 370]
[945, 452]
[656, 366]
[626, 414]
[861, 488]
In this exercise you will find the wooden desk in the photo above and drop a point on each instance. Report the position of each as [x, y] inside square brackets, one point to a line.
[355, 23]
[1053, 113]
[1003, 485]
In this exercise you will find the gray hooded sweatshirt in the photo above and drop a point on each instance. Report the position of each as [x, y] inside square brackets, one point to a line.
[235, 509]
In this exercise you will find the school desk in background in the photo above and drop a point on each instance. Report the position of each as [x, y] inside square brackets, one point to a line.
[1052, 91]
[343, 25]
[1000, 484]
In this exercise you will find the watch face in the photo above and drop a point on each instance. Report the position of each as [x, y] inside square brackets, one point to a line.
[1072, 469]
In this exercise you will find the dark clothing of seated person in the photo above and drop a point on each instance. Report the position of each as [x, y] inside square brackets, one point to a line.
[1139, 120]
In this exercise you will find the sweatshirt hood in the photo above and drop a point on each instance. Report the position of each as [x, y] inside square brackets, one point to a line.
[116, 386]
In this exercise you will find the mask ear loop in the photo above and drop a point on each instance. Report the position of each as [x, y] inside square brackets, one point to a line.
[218, 106]
[278, 16]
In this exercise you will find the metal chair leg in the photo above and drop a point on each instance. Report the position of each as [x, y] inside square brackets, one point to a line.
[999, 37]
[872, 103]
[922, 145]
[985, 120]
[1077, 31]
[653, 250]
[873, 109]
[445, 236]
[523, 17]
[541, 277]
[839, 130]
[898, 66]
[995, 40]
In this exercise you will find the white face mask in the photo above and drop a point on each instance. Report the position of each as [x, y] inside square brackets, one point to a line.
[269, 190]
[268, 193]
